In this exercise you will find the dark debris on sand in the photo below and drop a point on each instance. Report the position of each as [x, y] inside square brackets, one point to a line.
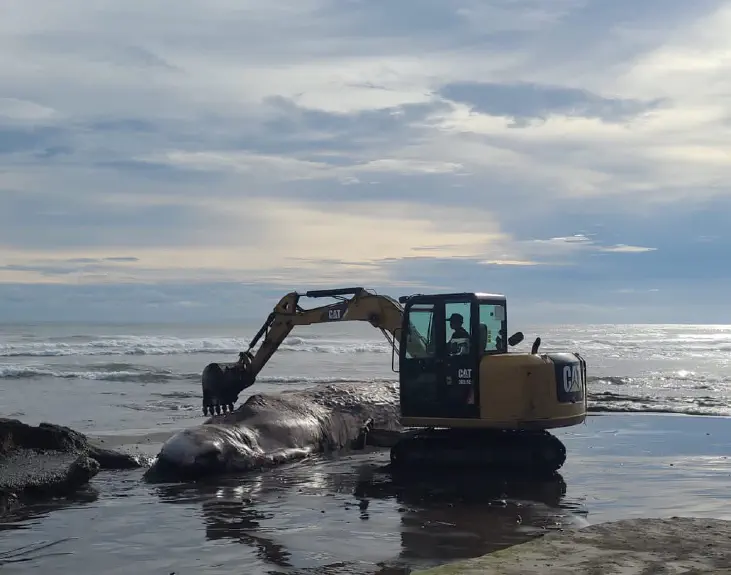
[47, 460]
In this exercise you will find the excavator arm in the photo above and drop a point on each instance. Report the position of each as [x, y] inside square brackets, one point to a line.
[222, 383]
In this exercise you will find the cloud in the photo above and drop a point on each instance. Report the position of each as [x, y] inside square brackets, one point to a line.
[625, 249]
[558, 145]
[525, 102]
[571, 244]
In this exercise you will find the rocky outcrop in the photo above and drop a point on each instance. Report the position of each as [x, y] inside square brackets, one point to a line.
[38, 462]
[632, 546]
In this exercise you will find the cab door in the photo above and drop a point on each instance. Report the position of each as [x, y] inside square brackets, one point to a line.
[459, 374]
[420, 365]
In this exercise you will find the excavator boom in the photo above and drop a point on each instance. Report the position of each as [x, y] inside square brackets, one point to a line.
[222, 383]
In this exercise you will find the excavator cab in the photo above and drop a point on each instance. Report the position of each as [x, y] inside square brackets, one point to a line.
[441, 379]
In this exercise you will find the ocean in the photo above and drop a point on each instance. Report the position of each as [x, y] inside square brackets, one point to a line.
[122, 378]
[335, 516]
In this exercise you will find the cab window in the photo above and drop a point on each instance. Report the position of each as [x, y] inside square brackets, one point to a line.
[419, 340]
[493, 329]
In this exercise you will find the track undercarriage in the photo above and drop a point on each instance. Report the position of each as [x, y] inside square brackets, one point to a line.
[523, 451]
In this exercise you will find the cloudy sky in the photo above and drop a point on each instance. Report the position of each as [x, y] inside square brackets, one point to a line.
[196, 160]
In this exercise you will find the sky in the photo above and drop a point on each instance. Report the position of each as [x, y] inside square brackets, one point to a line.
[195, 161]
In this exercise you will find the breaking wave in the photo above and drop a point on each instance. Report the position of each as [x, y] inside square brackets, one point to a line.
[125, 372]
[126, 345]
[607, 402]
[611, 342]
[106, 372]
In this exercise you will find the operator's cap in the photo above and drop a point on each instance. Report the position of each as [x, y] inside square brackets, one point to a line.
[457, 316]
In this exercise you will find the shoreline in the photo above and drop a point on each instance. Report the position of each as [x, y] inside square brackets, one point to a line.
[126, 437]
[147, 442]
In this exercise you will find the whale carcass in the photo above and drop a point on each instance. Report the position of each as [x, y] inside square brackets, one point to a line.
[270, 429]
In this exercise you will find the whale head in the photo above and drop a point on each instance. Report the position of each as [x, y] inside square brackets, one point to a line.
[204, 450]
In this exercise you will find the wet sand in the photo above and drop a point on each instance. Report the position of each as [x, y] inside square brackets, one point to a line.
[697, 545]
[346, 515]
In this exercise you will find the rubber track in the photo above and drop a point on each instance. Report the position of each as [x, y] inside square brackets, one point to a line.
[515, 451]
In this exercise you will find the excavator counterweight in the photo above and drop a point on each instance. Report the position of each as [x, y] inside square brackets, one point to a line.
[469, 398]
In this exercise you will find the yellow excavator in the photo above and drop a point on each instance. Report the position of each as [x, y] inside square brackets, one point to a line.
[466, 396]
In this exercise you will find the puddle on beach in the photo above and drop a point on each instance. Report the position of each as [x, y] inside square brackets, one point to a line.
[355, 515]
[348, 516]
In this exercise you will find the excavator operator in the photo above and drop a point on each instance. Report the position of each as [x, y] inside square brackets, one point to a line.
[456, 322]
[460, 336]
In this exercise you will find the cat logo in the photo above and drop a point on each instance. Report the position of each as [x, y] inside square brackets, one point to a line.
[573, 378]
[334, 314]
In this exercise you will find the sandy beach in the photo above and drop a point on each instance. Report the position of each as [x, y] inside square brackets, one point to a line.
[345, 515]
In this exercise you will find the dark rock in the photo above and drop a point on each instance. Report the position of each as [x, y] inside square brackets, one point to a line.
[110, 459]
[393, 570]
[8, 502]
[15, 435]
[44, 461]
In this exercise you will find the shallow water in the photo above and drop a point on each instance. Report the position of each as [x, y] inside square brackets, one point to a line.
[345, 515]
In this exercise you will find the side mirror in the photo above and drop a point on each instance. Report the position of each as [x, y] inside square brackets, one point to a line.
[516, 338]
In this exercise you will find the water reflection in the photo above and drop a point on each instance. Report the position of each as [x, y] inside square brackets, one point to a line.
[229, 513]
[28, 516]
[30, 513]
[451, 516]
[355, 516]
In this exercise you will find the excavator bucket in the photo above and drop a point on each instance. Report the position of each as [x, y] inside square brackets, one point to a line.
[222, 383]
